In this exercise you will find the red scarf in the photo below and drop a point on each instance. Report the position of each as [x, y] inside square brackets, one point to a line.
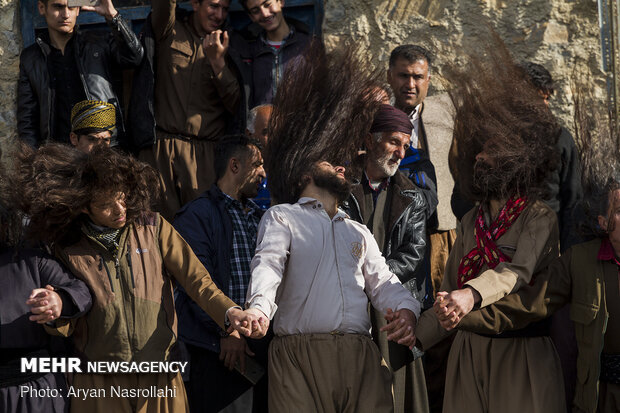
[486, 251]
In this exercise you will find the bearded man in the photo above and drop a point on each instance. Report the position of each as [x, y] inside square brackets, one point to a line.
[395, 211]
[313, 264]
[505, 146]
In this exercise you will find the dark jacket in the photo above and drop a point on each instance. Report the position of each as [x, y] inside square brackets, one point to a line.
[22, 272]
[267, 65]
[565, 192]
[206, 226]
[141, 113]
[406, 237]
[96, 55]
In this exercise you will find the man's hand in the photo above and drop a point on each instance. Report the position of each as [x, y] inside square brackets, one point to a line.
[104, 8]
[215, 45]
[452, 307]
[233, 349]
[251, 322]
[400, 327]
[45, 304]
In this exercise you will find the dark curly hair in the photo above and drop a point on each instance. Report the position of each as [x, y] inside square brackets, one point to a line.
[496, 105]
[58, 182]
[538, 76]
[322, 111]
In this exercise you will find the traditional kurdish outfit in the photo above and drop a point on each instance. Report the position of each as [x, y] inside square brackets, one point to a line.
[587, 275]
[319, 274]
[511, 372]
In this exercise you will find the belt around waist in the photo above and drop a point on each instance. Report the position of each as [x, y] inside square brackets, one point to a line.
[538, 329]
[162, 134]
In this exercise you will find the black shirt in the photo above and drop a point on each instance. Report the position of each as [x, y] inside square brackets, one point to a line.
[67, 88]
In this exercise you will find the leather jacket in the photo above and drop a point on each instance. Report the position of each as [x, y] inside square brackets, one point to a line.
[406, 235]
[95, 54]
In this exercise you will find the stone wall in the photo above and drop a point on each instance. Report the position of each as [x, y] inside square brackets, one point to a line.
[562, 35]
[10, 47]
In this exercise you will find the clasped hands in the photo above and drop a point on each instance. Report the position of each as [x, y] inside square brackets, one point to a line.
[45, 305]
[400, 327]
[450, 308]
[251, 323]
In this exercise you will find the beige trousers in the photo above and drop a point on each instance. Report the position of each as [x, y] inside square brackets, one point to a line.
[111, 403]
[503, 375]
[325, 373]
[185, 168]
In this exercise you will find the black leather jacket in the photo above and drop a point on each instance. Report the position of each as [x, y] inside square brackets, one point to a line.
[406, 237]
[96, 55]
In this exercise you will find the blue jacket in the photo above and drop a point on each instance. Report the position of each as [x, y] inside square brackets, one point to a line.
[206, 226]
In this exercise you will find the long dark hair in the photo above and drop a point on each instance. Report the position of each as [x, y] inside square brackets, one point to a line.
[596, 133]
[58, 182]
[495, 102]
[323, 109]
[11, 220]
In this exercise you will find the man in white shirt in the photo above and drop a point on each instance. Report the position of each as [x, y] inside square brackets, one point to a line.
[315, 270]
[319, 268]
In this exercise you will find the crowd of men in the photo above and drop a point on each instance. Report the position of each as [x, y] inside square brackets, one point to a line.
[308, 236]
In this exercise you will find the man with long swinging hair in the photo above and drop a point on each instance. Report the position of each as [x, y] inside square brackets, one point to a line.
[313, 264]
[586, 276]
[95, 210]
[505, 150]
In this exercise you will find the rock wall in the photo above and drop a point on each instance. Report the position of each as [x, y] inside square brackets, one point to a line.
[10, 47]
[562, 35]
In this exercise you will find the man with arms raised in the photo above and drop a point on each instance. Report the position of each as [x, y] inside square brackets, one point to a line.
[196, 94]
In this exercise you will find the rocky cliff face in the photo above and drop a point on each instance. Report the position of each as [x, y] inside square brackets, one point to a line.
[562, 35]
[10, 47]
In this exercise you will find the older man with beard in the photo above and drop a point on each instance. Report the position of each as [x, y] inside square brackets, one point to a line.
[395, 211]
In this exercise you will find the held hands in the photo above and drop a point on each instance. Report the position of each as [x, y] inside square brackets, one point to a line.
[45, 304]
[233, 349]
[450, 308]
[215, 45]
[103, 8]
[400, 327]
[251, 322]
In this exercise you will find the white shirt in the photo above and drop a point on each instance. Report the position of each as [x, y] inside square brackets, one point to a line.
[414, 117]
[319, 272]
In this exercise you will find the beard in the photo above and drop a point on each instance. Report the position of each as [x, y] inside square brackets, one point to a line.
[383, 163]
[489, 182]
[332, 182]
